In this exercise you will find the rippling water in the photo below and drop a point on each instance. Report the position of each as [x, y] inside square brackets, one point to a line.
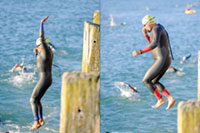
[19, 29]
[120, 114]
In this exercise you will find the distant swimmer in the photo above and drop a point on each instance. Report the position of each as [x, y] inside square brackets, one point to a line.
[19, 67]
[160, 47]
[185, 59]
[134, 89]
[172, 69]
[189, 11]
[44, 65]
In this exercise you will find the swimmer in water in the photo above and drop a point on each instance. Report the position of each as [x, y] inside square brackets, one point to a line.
[134, 89]
[172, 69]
[159, 45]
[44, 60]
[185, 59]
[19, 67]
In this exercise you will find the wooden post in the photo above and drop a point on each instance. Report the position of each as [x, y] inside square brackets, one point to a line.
[189, 117]
[198, 91]
[80, 105]
[96, 17]
[91, 46]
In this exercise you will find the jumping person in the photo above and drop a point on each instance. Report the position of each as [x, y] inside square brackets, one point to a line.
[44, 65]
[159, 45]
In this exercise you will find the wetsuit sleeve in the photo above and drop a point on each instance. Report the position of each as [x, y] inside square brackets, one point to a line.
[148, 38]
[154, 43]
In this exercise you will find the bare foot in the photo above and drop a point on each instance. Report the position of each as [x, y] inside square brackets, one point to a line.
[171, 102]
[159, 103]
[36, 125]
[41, 121]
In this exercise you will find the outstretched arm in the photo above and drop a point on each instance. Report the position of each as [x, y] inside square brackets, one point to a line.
[42, 27]
[42, 37]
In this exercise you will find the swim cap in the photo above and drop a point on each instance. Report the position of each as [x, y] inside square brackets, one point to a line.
[148, 19]
[22, 64]
[184, 58]
[38, 41]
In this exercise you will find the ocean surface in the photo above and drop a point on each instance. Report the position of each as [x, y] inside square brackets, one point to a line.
[131, 114]
[19, 29]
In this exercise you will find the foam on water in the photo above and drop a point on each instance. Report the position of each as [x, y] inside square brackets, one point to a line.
[61, 52]
[21, 78]
[126, 91]
[171, 72]
[9, 127]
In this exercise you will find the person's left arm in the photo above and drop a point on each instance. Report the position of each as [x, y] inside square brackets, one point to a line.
[154, 43]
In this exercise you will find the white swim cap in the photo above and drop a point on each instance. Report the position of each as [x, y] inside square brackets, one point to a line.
[38, 41]
[148, 19]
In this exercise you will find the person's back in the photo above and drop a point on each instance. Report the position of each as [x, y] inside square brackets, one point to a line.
[44, 60]
[159, 36]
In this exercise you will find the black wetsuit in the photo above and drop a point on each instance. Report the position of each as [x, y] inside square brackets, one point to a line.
[159, 44]
[44, 66]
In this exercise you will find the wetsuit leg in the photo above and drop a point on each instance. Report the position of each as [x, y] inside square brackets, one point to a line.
[48, 84]
[152, 73]
[37, 94]
[162, 72]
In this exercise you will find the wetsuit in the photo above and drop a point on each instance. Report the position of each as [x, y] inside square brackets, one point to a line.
[44, 66]
[159, 45]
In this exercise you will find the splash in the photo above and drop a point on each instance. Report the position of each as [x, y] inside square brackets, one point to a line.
[9, 127]
[61, 52]
[178, 71]
[125, 91]
[112, 22]
[21, 79]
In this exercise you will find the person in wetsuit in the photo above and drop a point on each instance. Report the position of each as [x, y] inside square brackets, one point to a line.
[172, 69]
[185, 59]
[159, 45]
[44, 65]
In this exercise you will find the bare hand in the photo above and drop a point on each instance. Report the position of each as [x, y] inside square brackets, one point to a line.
[144, 31]
[43, 20]
[136, 52]
[35, 51]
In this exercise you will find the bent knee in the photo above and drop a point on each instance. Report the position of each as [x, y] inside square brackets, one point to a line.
[145, 81]
[33, 100]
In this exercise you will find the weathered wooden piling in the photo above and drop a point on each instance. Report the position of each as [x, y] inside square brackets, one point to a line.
[198, 90]
[96, 17]
[80, 105]
[91, 45]
[189, 117]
